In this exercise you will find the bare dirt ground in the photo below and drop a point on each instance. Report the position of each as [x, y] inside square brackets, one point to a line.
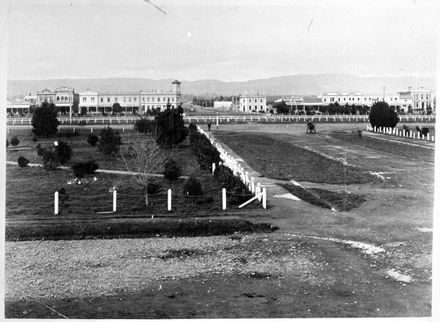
[372, 261]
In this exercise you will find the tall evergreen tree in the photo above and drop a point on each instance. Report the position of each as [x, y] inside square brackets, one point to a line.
[44, 120]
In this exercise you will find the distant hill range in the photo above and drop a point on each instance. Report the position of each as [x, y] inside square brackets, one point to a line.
[309, 84]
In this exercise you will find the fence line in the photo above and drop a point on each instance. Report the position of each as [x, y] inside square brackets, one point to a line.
[226, 119]
[401, 133]
[236, 168]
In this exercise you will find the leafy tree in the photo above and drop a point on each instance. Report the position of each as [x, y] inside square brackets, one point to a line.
[382, 115]
[144, 125]
[170, 127]
[83, 111]
[117, 108]
[109, 141]
[64, 152]
[44, 120]
[172, 170]
[282, 107]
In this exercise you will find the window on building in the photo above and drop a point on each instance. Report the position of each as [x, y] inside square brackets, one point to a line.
[148, 99]
[84, 99]
[102, 99]
[129, 99]
[143, 99]
[250, 100]
[135, 99]
[93, 99]
[152, 99]
[108, 99]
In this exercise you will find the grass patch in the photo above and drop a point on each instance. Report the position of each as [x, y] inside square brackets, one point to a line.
[401, 150]
[341, 201]
[275, 158]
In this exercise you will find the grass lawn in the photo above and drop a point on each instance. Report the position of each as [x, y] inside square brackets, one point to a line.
[401, 150]
[277, 159]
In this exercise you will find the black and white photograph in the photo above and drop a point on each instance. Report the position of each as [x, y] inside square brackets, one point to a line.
[219, 159]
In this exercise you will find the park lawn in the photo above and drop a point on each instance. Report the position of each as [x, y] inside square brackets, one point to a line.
[274, 158]
[30, 201]
[83, 151]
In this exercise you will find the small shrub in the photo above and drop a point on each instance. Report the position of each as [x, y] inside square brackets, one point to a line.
[22, 162]
[172, 170]
[35, 138]
[153, 187]
[80, 169]
[192, 187]
[424, 131]
[64, 152]
[92, 139]
[406, 129]
[15, 141]
[40, 150]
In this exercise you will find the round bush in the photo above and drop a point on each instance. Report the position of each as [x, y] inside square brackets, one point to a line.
[192, 187]
[172, 170]
[15, 141]
[34, 139]
[22, 162]
[92, 139]
[80, 169]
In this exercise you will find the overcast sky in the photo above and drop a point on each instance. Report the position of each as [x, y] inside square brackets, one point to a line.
[225, 40]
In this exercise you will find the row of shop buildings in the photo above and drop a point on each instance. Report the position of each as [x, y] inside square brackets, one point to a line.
[92, 102]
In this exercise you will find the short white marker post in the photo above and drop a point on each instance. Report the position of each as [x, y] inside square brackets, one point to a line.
[213, 168]
[427, 136]
[114, 200]
[56, 204]
[418, 135]
[432, 137]
[224, 199]
[264, 198]
[169, 199]
[91, 129]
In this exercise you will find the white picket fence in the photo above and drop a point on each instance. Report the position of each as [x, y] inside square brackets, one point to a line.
[401, 133]
[257, 189]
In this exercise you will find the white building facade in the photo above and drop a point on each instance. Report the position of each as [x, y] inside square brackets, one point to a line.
[253, 103]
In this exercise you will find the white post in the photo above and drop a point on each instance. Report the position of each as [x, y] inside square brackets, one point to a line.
[264, 198]
[213, 168]
[224, 199]
[56, 208]
[427, 136]
[252, 185]
[114, 200]
[432, 137]
[91, 129]
[418, 135]
[169, 199]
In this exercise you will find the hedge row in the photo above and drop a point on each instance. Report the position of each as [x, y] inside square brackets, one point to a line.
[207, 154]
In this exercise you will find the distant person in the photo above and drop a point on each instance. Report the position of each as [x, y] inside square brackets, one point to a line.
[209, 127]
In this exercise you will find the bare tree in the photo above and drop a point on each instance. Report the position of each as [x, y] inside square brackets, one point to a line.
[144, 158]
